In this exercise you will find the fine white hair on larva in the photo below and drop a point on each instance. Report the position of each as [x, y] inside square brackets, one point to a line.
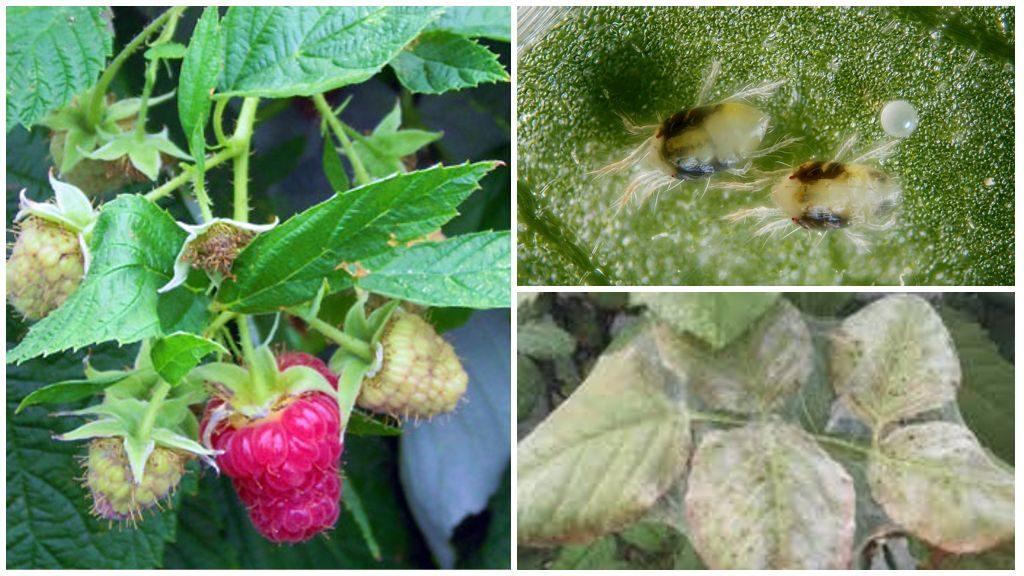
[850, 194]
[697, 143]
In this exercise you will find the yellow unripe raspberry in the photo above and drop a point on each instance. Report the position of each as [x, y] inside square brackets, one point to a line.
[45, 267]
[420, 376]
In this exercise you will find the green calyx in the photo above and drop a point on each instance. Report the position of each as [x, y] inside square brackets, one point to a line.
[75, 137]
[353, 363]
[145, 413]
[253, 390]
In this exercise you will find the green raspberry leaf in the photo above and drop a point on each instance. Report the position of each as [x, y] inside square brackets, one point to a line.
[175, 355]
[281, 51]
[544, 340]
[200, 71]
[716, 318]
[48, 521]
[70, 390]
[53, 54]
[334, 170]
[365, 425]
[493, 22]
[471, 271]
[287, 265]
[986, 395]
[382, 151]
[441, 61]
[134, 245]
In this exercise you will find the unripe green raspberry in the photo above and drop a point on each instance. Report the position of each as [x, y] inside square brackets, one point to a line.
[420, 376]
[109, 478]
[94, 177]
[45, 267]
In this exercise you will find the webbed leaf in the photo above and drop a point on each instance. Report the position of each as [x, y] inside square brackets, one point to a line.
[938, 482]
[894, 359]
[756, 373]
[606, 454]
[766, 496]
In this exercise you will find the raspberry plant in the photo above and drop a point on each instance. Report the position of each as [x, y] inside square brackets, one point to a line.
[149, 246]
[736, 431]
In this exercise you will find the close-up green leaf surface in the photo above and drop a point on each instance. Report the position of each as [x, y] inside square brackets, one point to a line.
[839, 67]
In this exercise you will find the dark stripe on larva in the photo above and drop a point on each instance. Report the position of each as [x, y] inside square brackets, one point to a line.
[810, 172]
[680, 121]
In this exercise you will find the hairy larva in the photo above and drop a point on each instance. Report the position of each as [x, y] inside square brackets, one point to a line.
[699, 142]
[852, 196]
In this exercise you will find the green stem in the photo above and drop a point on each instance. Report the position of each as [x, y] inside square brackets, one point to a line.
[842, 443]
[157, 400]
[218, 120]
[186, 175]
[350, 343]
[733, 421]
[151, 70]
[241, 141]
[261, 388]
[716, 418]
[94, 110]
[361, 175]
[222, 319]
[147, 90]
[199, 187]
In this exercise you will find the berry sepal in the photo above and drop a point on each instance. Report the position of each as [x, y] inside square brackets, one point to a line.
[255, 390]
[212, 246]
[138, 450]
[145, 152]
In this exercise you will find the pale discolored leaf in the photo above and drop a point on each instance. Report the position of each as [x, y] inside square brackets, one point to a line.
[715, 317]
[894, 359]
[756, 373]
[939, 483]
[607, 454]
[766, 496]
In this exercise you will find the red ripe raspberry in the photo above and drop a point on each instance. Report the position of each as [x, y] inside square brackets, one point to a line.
[284, 466]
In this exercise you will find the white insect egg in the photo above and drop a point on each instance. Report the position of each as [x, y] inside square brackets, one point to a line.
[899, 118]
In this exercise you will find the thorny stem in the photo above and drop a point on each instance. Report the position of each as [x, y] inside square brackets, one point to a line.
[157, 400]
[361, 175]
[99, 92]
[241, 141]
[199, 187]
[349, 343]
[218, 120]
[186, 175]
